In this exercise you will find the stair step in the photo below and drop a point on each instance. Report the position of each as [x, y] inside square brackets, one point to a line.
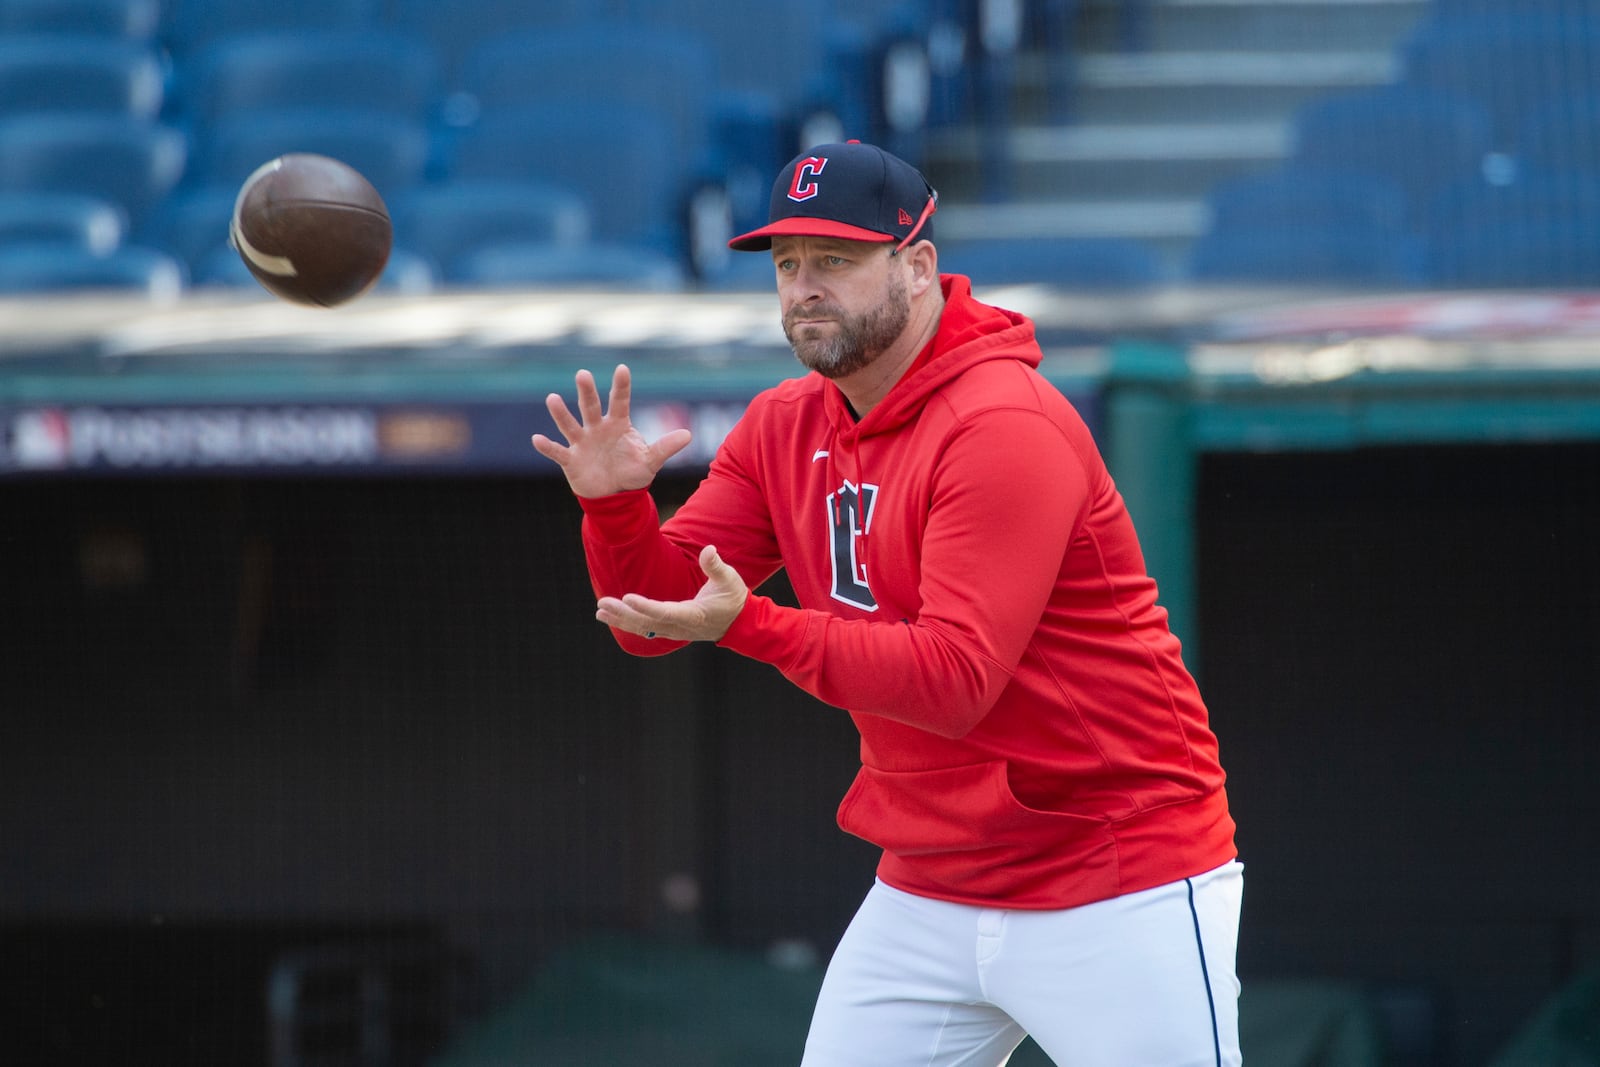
[1120, 143]
[1153, 220]
[1179, 70]
[1147, 133]
[1110, 162]
[1167, 227]
[1195, 87]
[1199, 103]
[1254, 25]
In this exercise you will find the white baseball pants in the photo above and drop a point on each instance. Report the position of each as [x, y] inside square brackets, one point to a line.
[1142, 980]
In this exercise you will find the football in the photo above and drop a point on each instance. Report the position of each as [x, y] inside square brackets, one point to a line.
[311, 229]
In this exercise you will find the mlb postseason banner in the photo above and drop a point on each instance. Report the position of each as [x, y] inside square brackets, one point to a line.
[445, 384]
[456, 383]
[357, 436]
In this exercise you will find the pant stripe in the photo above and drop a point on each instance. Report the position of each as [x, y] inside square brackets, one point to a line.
[1205, 973]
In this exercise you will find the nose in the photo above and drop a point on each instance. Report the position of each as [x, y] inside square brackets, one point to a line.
[803, 285]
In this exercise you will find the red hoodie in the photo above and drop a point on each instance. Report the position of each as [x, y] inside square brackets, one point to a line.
[973, 593]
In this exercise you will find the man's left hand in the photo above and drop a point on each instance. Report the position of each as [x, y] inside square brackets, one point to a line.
[705, 618]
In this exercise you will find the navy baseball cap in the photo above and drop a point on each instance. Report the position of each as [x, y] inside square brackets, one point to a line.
[852, 190]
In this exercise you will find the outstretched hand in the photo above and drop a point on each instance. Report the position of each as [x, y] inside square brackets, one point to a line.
[604, 453]
[705, 618]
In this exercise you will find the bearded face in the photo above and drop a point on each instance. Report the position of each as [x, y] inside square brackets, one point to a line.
[835, 343]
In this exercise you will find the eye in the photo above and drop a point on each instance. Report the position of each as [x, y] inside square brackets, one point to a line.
[836, 261]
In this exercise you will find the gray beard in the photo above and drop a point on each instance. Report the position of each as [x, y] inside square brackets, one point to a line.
[857, 341]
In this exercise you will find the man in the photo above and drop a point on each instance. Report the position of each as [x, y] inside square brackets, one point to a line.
[1036, 761]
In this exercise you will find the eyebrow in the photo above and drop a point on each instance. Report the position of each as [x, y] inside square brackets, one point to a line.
[823, 245]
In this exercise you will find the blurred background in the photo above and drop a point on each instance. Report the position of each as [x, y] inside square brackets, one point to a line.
[310, 751]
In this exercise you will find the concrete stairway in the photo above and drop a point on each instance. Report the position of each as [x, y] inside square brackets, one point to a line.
[1194, 92]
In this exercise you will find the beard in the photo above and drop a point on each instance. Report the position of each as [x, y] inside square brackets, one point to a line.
[856, 340]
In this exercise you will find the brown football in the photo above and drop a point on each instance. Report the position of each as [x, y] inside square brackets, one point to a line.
[312, 229]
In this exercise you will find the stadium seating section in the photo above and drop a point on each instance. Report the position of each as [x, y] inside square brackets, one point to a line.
[124, 20]
[134, 121]
[1478, 167]
[654, 126]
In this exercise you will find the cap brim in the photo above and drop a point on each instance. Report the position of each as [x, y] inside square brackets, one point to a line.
[799, 226]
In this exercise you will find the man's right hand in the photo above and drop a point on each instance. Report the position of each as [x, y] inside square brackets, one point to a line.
[604, 453]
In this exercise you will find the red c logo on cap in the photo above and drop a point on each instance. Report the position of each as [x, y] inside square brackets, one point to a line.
[804, 187]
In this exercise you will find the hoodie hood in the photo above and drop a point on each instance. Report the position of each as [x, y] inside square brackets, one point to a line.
[970, 333]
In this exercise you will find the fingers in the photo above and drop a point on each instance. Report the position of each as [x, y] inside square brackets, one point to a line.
[550, 450]
[621, 392]
[564, 421]
[726, 589]
[705, 618]
[677, 620]
[671, 443]
[589, 410]
[604, 452]
[639, 615]
[588, 399]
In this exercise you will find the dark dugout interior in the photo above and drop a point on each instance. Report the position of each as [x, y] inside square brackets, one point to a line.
[243, 717]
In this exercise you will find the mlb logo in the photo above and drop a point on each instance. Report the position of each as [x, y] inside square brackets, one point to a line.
[40, 440]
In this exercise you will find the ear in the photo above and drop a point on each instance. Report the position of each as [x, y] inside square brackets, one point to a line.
[923, 259]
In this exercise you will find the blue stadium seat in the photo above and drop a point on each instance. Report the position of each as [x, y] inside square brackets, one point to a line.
[384, 72]
[1420, 139]
[623, 161]
[741, 272]
[840, 100]
[1304, 224]
[130, 20]
[60, 73]
[971, 51]
[767, 48]
[730, 129]
[1538, 230]
[874, 15]
[1574, 197]
[409, 273]
[190, 223]
[446, 221]
[130, 163]
[456, 28]
[1306, 257]
[1054, 24]
[390, 151]
[1504, 62]
[406, 273]
[647, 68]
[1540, 254]
[1317, 198]
[548, 265]
[51, 268]
[1447, 15]
[1560, 135]
[188, 25]
[936, 63]
[1456, 8]
[1077, 263]
[61, 218]
[751, 140]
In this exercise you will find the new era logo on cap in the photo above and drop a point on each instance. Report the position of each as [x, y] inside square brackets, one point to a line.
[853, 191]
